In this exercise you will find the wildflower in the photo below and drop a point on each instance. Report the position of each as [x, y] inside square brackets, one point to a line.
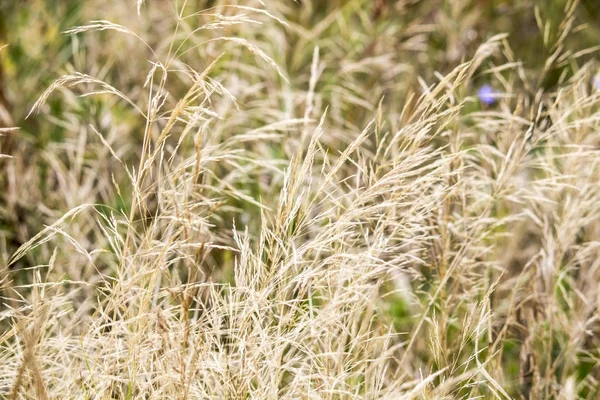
[596, 82]
[487, 95]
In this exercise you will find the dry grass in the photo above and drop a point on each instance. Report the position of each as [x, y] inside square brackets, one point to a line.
[301, 200]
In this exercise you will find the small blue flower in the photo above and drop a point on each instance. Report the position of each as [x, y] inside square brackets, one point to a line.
[487, 95]
[596, 82]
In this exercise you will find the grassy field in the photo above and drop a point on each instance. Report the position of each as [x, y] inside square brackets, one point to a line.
[279, 199]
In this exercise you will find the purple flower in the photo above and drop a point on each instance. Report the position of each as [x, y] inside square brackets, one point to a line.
[596, 82]
[487, 95]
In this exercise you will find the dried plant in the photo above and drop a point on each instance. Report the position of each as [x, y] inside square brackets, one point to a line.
[304, 200]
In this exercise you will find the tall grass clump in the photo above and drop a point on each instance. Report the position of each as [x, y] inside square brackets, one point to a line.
[299, 199]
